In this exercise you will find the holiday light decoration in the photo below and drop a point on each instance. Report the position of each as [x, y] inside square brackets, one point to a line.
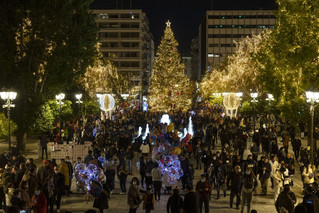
[231, 102]
[84, 175]
[239, 72]
[106, 102]
[167, 148]
[170, 89]
[103, 77]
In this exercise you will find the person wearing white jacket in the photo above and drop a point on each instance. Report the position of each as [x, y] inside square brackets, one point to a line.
[308, 176]
[278, 178]
[145, 148]
[274, 167]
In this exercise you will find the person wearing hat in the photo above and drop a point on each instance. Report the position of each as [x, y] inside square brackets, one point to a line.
[44, 172]
[203, 188]
[286, 199]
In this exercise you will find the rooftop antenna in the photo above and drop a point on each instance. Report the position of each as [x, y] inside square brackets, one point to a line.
[212, 5]
[130, 4]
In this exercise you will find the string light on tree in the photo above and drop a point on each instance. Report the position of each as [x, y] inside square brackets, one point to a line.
[170, 88]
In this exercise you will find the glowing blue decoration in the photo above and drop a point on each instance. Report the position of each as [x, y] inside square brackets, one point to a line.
[106, 102]
[165, 119]
[145, 106]
[171, 166]
[190, 126]
[84, 175]
[147, 131]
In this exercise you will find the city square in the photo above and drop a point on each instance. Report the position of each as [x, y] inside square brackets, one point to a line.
[172, 106]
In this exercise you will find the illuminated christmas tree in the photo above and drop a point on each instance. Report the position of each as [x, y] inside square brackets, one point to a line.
[170, 88]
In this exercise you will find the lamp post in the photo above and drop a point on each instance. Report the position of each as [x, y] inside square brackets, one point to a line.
[60, 97]
[270, 99]
[312, 98]
[254, 95]
[78, 97]
[8, 97]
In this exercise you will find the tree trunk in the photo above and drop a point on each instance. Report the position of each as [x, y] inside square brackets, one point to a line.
[21, 140]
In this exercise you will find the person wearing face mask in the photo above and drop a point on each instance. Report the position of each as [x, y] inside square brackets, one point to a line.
[203, 188]
[39, 202]
[248, 184]
[133, 196]
[235, 179]
[221, 178]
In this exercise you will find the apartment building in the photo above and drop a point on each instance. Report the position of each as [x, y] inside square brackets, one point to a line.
[219, 30]
[125, 35]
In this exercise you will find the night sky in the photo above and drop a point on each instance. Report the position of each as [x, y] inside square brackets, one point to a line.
[185, 15]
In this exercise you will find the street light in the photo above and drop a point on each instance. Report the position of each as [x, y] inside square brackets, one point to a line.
[78, 97]
[270, 99]
[254, 95]
[8, 97]
[60, 97]
[312, 98]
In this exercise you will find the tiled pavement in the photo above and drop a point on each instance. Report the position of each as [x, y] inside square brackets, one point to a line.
[76, 202]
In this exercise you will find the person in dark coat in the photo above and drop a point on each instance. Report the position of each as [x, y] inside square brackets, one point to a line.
[286, 200]
[264, 175]
[203, 188]
[175, 202]
[191, 201]
[70, 166]
[44, 172]
[185, 167]
[59, 186]
[235, 179]
[143, 162]
[43, 143]
[19, 174]
[296, 145]
[101, 196]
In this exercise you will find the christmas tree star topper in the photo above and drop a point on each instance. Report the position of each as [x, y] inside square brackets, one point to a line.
[168, 23]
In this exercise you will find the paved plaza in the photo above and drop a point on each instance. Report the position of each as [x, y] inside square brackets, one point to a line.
[76, 203]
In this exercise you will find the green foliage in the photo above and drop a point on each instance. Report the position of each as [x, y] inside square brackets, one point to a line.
[50, 113]
[246, 108]
[90, 106]
[45, 120]
[216, 100]
[66, 110]
[288, 60]
[4, 133]
[45, 45]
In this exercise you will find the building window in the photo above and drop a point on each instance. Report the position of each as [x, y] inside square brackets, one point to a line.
[103, 16]
[241, 17]
[227, 35]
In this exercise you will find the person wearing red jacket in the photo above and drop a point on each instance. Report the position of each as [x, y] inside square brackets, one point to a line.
[203, 188]
[39, 202]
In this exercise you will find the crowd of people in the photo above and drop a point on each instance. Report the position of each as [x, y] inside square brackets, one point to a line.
[217, 148]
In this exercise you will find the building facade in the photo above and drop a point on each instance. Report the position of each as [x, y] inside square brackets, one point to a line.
[125, 35]
[219, 30]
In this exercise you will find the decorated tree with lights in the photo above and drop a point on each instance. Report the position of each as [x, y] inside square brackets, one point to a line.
[289, 60]
[170, 88]
[103, 77]
[239, 73]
